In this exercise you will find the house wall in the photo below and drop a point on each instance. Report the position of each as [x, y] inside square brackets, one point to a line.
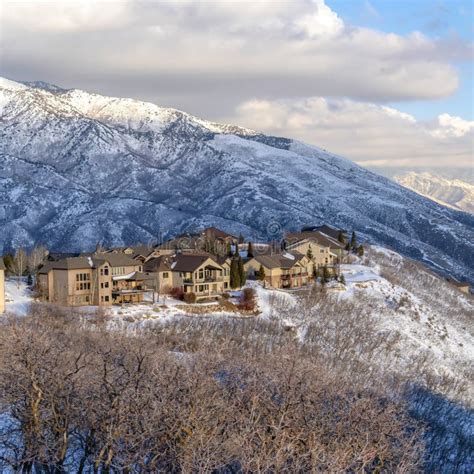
[321, 255]
[2, 291]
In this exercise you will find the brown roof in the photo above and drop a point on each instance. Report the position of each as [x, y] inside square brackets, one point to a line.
[214, 232]
[188, 262]
[158, 264]
[83, 262]
[279, 260]
[116, 259]
[325, 240]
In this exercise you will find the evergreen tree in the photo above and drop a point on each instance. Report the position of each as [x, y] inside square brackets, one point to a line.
[348, 246]
[29, 281]
[236, 252]
[326, 274]
[360, 251]
[250, 250]
[342, 279]
[309, 253]
[234, 274]
[242, 274]
[229, 249]
[261, 273]
[241, 239]
[353, 241]
[340, 237]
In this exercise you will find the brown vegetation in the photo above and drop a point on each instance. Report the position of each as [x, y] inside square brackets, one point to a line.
[191, 396]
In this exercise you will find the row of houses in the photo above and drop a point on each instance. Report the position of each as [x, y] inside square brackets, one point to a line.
[194, 263]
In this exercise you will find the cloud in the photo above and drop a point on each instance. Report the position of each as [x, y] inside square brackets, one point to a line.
[196, 52]
[367, 133]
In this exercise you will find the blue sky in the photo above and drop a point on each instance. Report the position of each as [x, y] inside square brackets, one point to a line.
[435, 19]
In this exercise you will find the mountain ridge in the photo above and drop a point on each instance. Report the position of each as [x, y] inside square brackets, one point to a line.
[453, 193]
[78, 168]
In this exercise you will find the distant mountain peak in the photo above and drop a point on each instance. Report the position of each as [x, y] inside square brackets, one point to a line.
[46, 86]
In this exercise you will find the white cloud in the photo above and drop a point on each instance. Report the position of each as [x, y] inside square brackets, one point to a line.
[296, 48]
[368, 133]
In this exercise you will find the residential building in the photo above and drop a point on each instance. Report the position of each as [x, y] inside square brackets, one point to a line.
[98, 280]
[296, 241]
[201, 274]
[2, 286]
[460, 285]
[282, 270]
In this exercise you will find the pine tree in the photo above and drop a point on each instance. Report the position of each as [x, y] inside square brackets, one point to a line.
[309, 253]
[242, 274]
[360, 251]
[353, 241]
[229, 249]
[250, 250]
[234, 274]
[326, 274]
[342, 279]
[261, 273]
[348, 246]
[241, 239]
[236, 251]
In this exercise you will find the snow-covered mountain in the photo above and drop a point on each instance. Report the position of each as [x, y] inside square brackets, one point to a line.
[76, 168]
[449, 192]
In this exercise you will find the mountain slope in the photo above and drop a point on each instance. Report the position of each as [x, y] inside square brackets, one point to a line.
[449, 192]
[76, 168]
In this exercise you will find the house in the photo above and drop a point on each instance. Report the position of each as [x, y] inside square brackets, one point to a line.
[99, 280]
[460, 285]
[297, 241]
[284, 270]
[2, 286]
[160, 269]
[327, 230]
[201, 274]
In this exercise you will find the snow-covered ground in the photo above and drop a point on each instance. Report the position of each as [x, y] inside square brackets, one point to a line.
[17, 297]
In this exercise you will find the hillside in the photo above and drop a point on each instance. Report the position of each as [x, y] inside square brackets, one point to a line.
[77, 168]
[455, 193]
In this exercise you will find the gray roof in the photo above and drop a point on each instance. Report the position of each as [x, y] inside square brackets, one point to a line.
[2, 265]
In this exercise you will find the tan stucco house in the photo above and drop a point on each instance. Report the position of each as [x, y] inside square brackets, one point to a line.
[283, 270]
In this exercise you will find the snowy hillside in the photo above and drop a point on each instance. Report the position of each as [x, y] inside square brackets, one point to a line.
[449, 192]
[76, 168]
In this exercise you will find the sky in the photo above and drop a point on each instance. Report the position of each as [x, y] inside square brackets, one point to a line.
[387, 83]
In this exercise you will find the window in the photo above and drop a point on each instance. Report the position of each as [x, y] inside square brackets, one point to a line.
[140, 268]
[106, 284]
[321, 251]
[165, 275]
[118, 271]
[107, 299]
[83, 277]
[102, 299]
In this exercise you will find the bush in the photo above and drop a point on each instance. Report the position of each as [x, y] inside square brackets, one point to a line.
[189, 298]
[177, 292]
[226, 296]
[247, 299]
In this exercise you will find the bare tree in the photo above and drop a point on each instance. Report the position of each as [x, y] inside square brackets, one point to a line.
[19, 264]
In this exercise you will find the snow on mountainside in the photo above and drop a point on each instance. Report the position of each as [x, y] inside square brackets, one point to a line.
[76, 168]
[449, 192]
